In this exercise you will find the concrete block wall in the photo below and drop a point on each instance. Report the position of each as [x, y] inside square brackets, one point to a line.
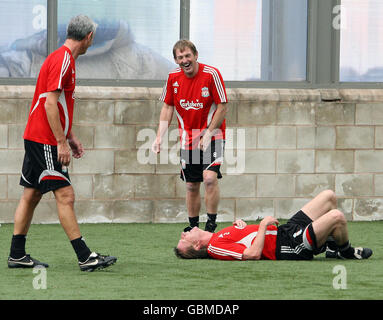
[283, 147]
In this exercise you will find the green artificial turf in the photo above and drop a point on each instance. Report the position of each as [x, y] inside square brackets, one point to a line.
[147, 268]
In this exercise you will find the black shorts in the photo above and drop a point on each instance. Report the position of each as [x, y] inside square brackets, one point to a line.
[194, 162]
[41, 170]
[292, 243]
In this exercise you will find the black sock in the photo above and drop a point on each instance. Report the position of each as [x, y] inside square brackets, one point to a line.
[211, 217]
[346, 250]
[18, 246]
[81, 249]
[194, 221]
[331, 244]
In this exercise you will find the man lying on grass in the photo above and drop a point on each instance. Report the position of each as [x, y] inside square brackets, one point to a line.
[319, 226]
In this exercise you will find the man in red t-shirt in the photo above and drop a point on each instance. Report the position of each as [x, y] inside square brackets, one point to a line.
[197, 94]
[48, 140]
[316, 228]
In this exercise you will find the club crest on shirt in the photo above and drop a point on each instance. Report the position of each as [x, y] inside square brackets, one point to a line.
[205, 92]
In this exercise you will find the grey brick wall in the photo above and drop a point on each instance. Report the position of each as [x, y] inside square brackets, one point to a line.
[283, 147]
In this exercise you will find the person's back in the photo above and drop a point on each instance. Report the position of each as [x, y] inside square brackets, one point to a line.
[57, 73]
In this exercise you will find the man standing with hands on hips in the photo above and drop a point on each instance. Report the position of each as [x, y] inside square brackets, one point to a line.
[197, 94]
[48, 141]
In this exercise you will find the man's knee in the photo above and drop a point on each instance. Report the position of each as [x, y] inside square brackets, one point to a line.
[65, 196]
[210, 179]
[338, 216]
[192, 187]
[32, 196]
[330, 196]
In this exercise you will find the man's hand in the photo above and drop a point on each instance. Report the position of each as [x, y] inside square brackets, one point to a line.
[240, 223]
[205, 141]
[269, 220]
[77, 148]
[63, 153]
[156, 146]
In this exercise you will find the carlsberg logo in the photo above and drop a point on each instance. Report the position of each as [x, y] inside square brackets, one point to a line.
[191, 105]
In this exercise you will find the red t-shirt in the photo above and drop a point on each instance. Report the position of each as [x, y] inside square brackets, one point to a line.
[230, 242]
[195, 101]
[56, 73]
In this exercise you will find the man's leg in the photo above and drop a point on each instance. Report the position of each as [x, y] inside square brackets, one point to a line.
[25, 209]
[334, 224]
[23, 217]
[320, 205]
[211, 198]
[65, 206]
[211, 191]
[212, 159]
[193, 202]
[22, 221]
[88, 261]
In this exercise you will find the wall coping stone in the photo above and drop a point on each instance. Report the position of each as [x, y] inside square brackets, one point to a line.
[234, 94]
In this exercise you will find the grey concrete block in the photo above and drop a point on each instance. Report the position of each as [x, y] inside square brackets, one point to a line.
[3, 136]
[277, 137]
[295, 161]
[254, 209]
[354, 137]
[310, 185]
[334, 161]
[369, 161]
[113, 186]
[256, 113]
[296, 113]
[281, 185]
[133, 211]
[369, 114]
[356, 185]
[368, 209]
[94, 161]
[335, 114]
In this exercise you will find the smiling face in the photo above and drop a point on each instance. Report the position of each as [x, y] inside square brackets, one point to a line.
[187, 60]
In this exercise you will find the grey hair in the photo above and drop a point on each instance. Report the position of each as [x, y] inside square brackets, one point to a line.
[79, 27]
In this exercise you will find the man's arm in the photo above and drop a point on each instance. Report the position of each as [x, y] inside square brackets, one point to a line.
[75, 145]
[216, 122]
[255, 250]
[166, 117]
[53, 115]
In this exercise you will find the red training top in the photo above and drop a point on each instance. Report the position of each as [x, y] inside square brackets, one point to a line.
[230, 242]
[195, 101]
[56, 73]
